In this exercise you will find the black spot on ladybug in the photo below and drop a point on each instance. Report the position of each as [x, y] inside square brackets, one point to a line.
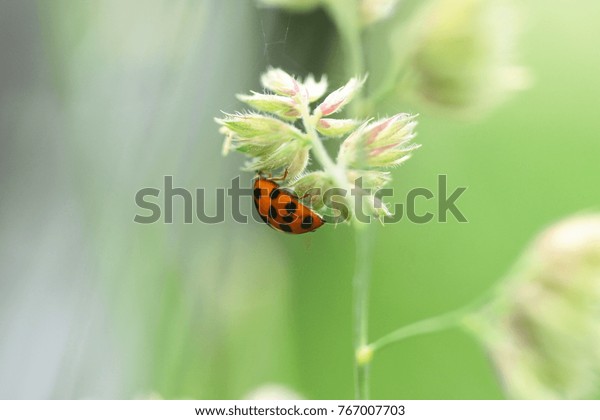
[288, 219]
[272, 212]
[307, 222]
[275, 193]
[291, 207]
[285, 228]
[257, 193]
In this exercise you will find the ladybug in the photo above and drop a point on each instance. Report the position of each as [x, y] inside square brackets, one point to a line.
[281, 209]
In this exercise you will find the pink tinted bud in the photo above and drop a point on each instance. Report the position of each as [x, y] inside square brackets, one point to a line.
[336, 100]
[278, 81]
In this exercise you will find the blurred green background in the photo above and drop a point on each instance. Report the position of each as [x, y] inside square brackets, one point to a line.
[100, 99]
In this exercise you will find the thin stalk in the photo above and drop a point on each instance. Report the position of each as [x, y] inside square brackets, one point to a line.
[362, 383]
[346, 17]
[437, 323]
[354, 46]
[391, 85]
[363, 257]
[319, 151]
[360, 284]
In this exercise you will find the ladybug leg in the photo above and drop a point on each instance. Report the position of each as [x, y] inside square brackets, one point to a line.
[264, 175]
[282, 178]
[308, 196]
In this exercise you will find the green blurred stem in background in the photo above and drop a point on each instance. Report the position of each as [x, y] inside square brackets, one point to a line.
[362, 261]
[362, 271]
[438, 323]
[346, 16]
[347, 21]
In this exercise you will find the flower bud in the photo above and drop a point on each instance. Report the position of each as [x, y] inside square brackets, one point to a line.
[330, 127]
[381, 144]
[298, 163]
[227, 144]
[370, 179]
[258, 129]
[543, 329]
[282, 106]
[375, 207]
[272, 143]
[278, 81]
[462, 56]
[336, 100]
[292, 156]
[312, 185]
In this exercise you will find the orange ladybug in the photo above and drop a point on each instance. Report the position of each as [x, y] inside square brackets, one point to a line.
[281, 209]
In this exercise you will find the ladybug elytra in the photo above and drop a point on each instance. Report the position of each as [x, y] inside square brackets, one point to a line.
[281, 209]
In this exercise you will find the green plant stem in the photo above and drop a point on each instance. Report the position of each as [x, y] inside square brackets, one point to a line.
[319, 151]
[346, 15]
[385, 89]
[362, 271]
[354, 47]
[362, 260]
[361, 382]
[391, 85]
[438, 323]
